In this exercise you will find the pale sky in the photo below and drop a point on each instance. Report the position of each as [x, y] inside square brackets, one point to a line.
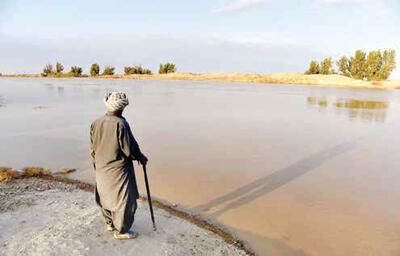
[256, 36]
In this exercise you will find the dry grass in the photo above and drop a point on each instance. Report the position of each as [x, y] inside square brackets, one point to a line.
[21, 75]
[36, 172]
[279, 78]
[67, 170]
[8, 174]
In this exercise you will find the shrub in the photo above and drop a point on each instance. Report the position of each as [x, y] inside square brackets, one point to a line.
[95, 69]
[36, 172]
[167, 68]
[8, 174]
[313, 69]
[108, 70]
[137, 70]
[76, 71]
[47, 70]
[59, 68]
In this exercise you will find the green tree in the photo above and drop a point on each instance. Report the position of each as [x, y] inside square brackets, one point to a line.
[47, 70]
[314, 68]
[128, 70]
[167, 68]
[108, 70]
[388, 64]
[59, 68]
[137, 70]
[327, 67]
[147, 71]
[76, 71]
[358, 65]
[344, 66]
[374, 65]
[95, 69]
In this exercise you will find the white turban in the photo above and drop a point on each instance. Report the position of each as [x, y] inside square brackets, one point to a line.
[115, 100]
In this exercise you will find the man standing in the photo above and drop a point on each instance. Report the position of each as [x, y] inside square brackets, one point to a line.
[113, 148]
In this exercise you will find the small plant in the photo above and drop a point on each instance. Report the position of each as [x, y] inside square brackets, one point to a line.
[108, 70]
[167, 68]
[95, 69]
[8, 174]
[47, 70]
[36, 172]
[76, 71]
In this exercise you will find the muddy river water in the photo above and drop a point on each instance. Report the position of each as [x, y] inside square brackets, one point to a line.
[293, 170]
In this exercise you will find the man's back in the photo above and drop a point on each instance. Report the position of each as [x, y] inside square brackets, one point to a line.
[104, 133]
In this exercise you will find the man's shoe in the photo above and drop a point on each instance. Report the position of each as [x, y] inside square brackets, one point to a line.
[110, 227]
[125, 236]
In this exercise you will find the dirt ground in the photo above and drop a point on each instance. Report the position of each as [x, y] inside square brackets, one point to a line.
[43, 217]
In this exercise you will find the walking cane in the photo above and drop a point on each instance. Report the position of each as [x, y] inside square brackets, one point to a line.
[149, 197]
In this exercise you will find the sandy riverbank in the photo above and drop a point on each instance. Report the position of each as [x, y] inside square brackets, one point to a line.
[49, 217]
[279, 78]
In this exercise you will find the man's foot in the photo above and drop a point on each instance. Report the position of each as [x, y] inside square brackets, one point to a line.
[110, 227]
[124, 236]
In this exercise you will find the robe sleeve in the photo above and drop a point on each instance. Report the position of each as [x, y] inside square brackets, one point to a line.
[127, 142]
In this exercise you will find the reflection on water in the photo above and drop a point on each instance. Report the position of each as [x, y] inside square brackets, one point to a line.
[369, 110]
[40, 107]
[322, 102]
[2, 102]
[364, 104]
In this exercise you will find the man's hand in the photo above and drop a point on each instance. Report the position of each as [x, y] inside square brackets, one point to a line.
[143, 160]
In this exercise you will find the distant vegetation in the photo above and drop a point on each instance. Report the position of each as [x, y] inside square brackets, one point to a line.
[376, 66]
[95, 69]
[76, 71]
[167, 68]
[59, 68]
[108, 70]
[139, 70]
[48, 70]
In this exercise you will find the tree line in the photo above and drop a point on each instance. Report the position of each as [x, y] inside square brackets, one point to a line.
[57, 71]
[374, 66]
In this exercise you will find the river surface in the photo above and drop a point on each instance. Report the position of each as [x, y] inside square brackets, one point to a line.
[293, 170]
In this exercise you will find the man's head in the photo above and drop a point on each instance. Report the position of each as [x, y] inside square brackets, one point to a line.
[115, 101]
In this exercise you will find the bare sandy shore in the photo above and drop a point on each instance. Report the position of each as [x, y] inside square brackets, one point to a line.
[46, 217]
[278, 78]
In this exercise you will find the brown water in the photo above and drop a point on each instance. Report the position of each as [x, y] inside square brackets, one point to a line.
[294, 170]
